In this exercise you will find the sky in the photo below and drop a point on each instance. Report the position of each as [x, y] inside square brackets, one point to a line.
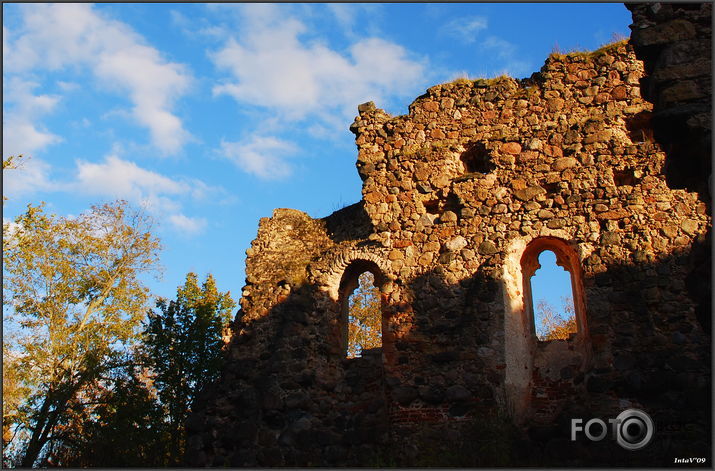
[209, 116]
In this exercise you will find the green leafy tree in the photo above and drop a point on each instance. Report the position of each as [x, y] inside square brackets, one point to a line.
[364, 316]
[184, 349]
[553, 325]
[74, 295]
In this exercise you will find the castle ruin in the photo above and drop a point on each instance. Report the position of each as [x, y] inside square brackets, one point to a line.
[459, 198]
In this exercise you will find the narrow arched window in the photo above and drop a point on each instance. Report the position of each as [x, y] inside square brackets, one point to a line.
[553, 298]
[361, 308]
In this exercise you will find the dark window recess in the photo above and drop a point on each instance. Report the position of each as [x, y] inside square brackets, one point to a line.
[639, 127]
[453, 203]
[432, 206]
[552, 187]
[625, 177]
[476, 159]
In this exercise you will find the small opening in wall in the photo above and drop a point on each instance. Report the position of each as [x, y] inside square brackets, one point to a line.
[477, 159]
[364, 317]
[625, 177]
[639, 127]
[552, 298]
[432, 206]
[552, 187]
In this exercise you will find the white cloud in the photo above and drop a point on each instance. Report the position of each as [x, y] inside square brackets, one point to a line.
[21, 134]
[274, 66]
[348, 16]
[260, 156]
[67, 86]
[188, 225]
[503, 49]
[122, 179]
[465, 28]
[55, 36]
[159, 194]
[32, 175]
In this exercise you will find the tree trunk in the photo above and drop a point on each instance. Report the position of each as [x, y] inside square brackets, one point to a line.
[35, 444]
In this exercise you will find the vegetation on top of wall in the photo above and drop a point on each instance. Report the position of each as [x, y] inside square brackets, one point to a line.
[605, 49]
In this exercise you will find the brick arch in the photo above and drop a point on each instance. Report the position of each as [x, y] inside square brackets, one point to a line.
[337, 268]
[341, 278]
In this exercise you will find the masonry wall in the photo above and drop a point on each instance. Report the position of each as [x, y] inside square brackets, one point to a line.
[454, 195]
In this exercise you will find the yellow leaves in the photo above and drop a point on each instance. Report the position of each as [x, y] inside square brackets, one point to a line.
[364, 317]
[551, 325]
[72, 285]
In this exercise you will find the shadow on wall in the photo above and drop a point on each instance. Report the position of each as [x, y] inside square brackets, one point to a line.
[289, 397]
[674, 41]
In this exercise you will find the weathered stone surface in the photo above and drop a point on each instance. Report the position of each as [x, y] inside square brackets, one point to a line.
[487, 248]
[564, 163]
[456, 243]
[529, 193]
[511, 148]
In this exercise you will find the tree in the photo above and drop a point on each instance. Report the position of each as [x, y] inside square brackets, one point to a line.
[73, 288]
[12, 393]
[364, 316]
[183, 342]
[554, 325]
[10, 163]
[125, 427]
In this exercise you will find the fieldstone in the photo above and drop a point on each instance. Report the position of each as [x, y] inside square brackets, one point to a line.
[564, 163]
[487, 248]
[458, 392]
[529, 193]
[431, 394]
[448, 216]
[610, 238]
[690, 226]
[365, 107]
[456, 243]
[511, 148]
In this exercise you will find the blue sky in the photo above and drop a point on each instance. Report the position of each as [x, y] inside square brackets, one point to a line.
[212, 115]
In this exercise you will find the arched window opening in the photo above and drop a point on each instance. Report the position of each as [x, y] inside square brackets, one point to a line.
[553, 294]
[554, 312]
[361, 308]
[364, 317]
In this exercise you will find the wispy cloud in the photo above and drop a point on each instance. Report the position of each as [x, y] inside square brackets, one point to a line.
[273, 68]
[56, 36]
[348, 16]
[22, 134]
[187, 225]
[507, 52]
[465, 29]
[31, 176]
[276, 64]
[159, 194]
[261, 156]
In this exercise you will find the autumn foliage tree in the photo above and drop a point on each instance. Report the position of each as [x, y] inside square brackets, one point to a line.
[72, 289]
[555, 325]
[364, 316]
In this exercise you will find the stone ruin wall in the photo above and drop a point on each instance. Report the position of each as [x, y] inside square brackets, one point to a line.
[456, 195]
